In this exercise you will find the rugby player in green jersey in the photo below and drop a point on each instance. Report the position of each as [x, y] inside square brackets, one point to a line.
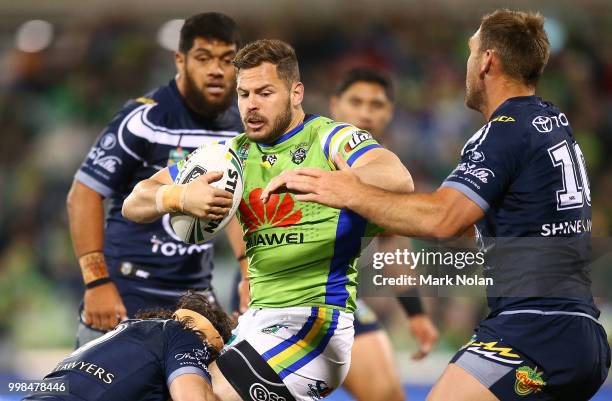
[294, 342]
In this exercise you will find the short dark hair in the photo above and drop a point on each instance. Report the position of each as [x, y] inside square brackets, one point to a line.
[273, 51]
[209, 26]
[365, 74]
[197, 303]
[520, 40]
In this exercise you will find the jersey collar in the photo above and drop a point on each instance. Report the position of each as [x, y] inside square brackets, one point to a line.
[288, 135]
[514, 100]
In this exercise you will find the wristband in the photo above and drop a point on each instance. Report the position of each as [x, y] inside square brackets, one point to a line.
[93, 266]
[170, 198]
[98, 282]
[411, 303]
[241, 257]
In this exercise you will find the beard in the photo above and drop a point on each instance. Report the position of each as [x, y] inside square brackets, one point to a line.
[197, 99]
[279, 126]
[474, 94]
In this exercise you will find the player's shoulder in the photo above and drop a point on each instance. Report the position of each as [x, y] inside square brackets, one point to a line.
[325, 126]
[328, 131]
[154, 104]
[528, 114]
[160, 106]
[515, 128]
[164, 111]
[511, 124]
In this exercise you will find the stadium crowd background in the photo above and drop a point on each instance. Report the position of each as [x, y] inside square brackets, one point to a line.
[61, 82]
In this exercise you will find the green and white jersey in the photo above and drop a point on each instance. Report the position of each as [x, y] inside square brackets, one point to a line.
[301, 253]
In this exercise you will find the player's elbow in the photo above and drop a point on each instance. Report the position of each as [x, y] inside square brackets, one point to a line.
[81, 199]
[73, 198]
[70, 201]
[136, 208]
[129, 210]
[402, 180]
[126, 210]
[407, 184]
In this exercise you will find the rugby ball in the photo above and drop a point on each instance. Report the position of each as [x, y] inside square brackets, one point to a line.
[207, 158]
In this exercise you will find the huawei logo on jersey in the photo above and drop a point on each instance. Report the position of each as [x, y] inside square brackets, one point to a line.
[277, 212]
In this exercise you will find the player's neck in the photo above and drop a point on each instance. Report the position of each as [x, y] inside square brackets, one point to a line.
[498, 94]
[297, 119]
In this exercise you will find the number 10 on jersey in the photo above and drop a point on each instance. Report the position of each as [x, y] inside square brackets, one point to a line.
[576, 188]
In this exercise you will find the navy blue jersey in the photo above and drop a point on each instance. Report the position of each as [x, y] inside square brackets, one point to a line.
[526, 171]
[148, 134]
[138, 360]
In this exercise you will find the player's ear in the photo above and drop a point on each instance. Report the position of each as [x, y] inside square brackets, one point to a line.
[486, 62]
[179, 61]
[297, 93]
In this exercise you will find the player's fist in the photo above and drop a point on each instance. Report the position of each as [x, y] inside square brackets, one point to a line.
[103, 307]
[204, 201]
[425, 334]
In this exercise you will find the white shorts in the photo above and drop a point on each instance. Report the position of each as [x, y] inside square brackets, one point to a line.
[308, 347]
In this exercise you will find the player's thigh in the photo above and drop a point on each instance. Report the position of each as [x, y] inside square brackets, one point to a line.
[222, 388]
[373, 375]
[456, 384]
[299, 353]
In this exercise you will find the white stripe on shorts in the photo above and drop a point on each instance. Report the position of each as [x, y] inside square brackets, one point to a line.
[549, 313]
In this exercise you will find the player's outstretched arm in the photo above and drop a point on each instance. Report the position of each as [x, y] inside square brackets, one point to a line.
[444, 213]
[158, 195]
[191, 387]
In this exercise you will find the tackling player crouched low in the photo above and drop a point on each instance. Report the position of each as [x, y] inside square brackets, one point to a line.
[294, 342]
[161, 354]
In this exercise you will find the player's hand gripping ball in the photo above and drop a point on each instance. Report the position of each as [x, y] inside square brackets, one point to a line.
[208, 158]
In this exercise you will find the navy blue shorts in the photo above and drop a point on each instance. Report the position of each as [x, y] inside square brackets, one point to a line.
[533, 356]
[366, 320]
